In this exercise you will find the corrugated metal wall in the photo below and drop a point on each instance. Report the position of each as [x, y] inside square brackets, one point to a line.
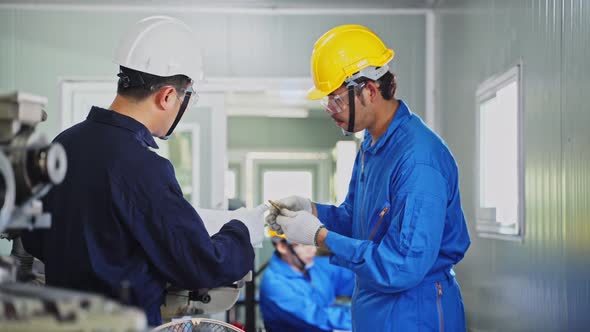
[576, 159]
[543, 283]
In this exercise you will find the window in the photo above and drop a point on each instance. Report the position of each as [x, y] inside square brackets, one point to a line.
[345, 154]
[500, 212]
[279, 184]
[230, 183]
[307, 173]
[182, 149]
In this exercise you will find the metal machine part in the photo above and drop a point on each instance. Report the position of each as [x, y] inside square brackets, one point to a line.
[7, 191]
[28, 308]
[29, 166]
[196, 325]
[203, 301]
[36, 163]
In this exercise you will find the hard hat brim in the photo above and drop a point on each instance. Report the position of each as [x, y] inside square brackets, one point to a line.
[315, 94]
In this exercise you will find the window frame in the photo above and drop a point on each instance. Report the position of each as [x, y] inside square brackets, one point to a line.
[194, 129]
[295, 166]
[486, 224]
[237, 169]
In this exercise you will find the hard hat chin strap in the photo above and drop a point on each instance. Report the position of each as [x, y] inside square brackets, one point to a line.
[371, 73]
[351, 108]
[183, 107]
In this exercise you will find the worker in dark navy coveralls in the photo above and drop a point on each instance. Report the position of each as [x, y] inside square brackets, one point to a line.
[120, 222]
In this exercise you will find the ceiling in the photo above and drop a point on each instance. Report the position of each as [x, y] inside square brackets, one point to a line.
[241, 3]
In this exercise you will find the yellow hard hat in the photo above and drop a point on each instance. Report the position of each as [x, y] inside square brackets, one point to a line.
[342, 52]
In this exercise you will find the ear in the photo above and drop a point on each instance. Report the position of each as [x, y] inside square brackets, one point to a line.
[373, 89]
[165, 98]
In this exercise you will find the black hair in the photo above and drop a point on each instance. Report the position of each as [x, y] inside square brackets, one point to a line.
[139, 85]
[387, 84]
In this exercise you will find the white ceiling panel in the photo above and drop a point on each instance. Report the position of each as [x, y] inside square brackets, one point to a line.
[239, 3]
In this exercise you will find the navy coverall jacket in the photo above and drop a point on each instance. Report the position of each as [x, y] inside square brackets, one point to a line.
[120, 223]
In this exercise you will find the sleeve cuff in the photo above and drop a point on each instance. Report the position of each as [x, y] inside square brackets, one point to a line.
[346, 251]
[235, 225]
[323, 213]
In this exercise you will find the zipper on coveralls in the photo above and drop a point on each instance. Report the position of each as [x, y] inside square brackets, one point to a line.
[376, 227]
[364, 192]
[440, 310]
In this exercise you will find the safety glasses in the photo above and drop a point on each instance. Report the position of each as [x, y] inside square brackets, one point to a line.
[191, 93]
[338, 103]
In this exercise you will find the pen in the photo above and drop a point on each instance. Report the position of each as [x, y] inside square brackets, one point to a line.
[275, 205]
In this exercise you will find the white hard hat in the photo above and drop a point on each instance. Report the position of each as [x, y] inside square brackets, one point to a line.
[162, 46]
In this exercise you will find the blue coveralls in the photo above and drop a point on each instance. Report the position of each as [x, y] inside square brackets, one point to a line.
[293, 302]
[401, 229]
[120, 218]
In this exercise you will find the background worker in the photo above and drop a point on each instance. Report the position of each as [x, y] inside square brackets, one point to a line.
[401, 228]
[121, 226]
[298, 290]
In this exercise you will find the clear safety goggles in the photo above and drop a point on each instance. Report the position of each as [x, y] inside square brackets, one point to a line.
[338, 103]
[189, 91]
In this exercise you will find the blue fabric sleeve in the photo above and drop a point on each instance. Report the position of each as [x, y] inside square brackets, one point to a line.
[343, 281]
[413, 238]
[302, 311]
[336, 218]
[174, 237]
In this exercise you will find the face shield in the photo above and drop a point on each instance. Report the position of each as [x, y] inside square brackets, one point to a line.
[189, 99]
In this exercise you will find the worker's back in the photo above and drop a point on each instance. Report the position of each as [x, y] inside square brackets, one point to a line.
[120, 224]
[88, 246]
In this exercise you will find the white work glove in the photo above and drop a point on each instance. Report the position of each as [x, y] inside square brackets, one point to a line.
[300, 226]
[292, 203]
[254, 220]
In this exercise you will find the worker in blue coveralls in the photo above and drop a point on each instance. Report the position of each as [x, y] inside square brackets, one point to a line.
[401, 228]
[120, 224]
[298, 290]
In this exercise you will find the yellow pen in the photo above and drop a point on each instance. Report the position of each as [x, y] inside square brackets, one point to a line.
[275, 205]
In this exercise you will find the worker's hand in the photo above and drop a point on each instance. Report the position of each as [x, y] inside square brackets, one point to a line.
[254, 220]
[300, 226]
[292, 203]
